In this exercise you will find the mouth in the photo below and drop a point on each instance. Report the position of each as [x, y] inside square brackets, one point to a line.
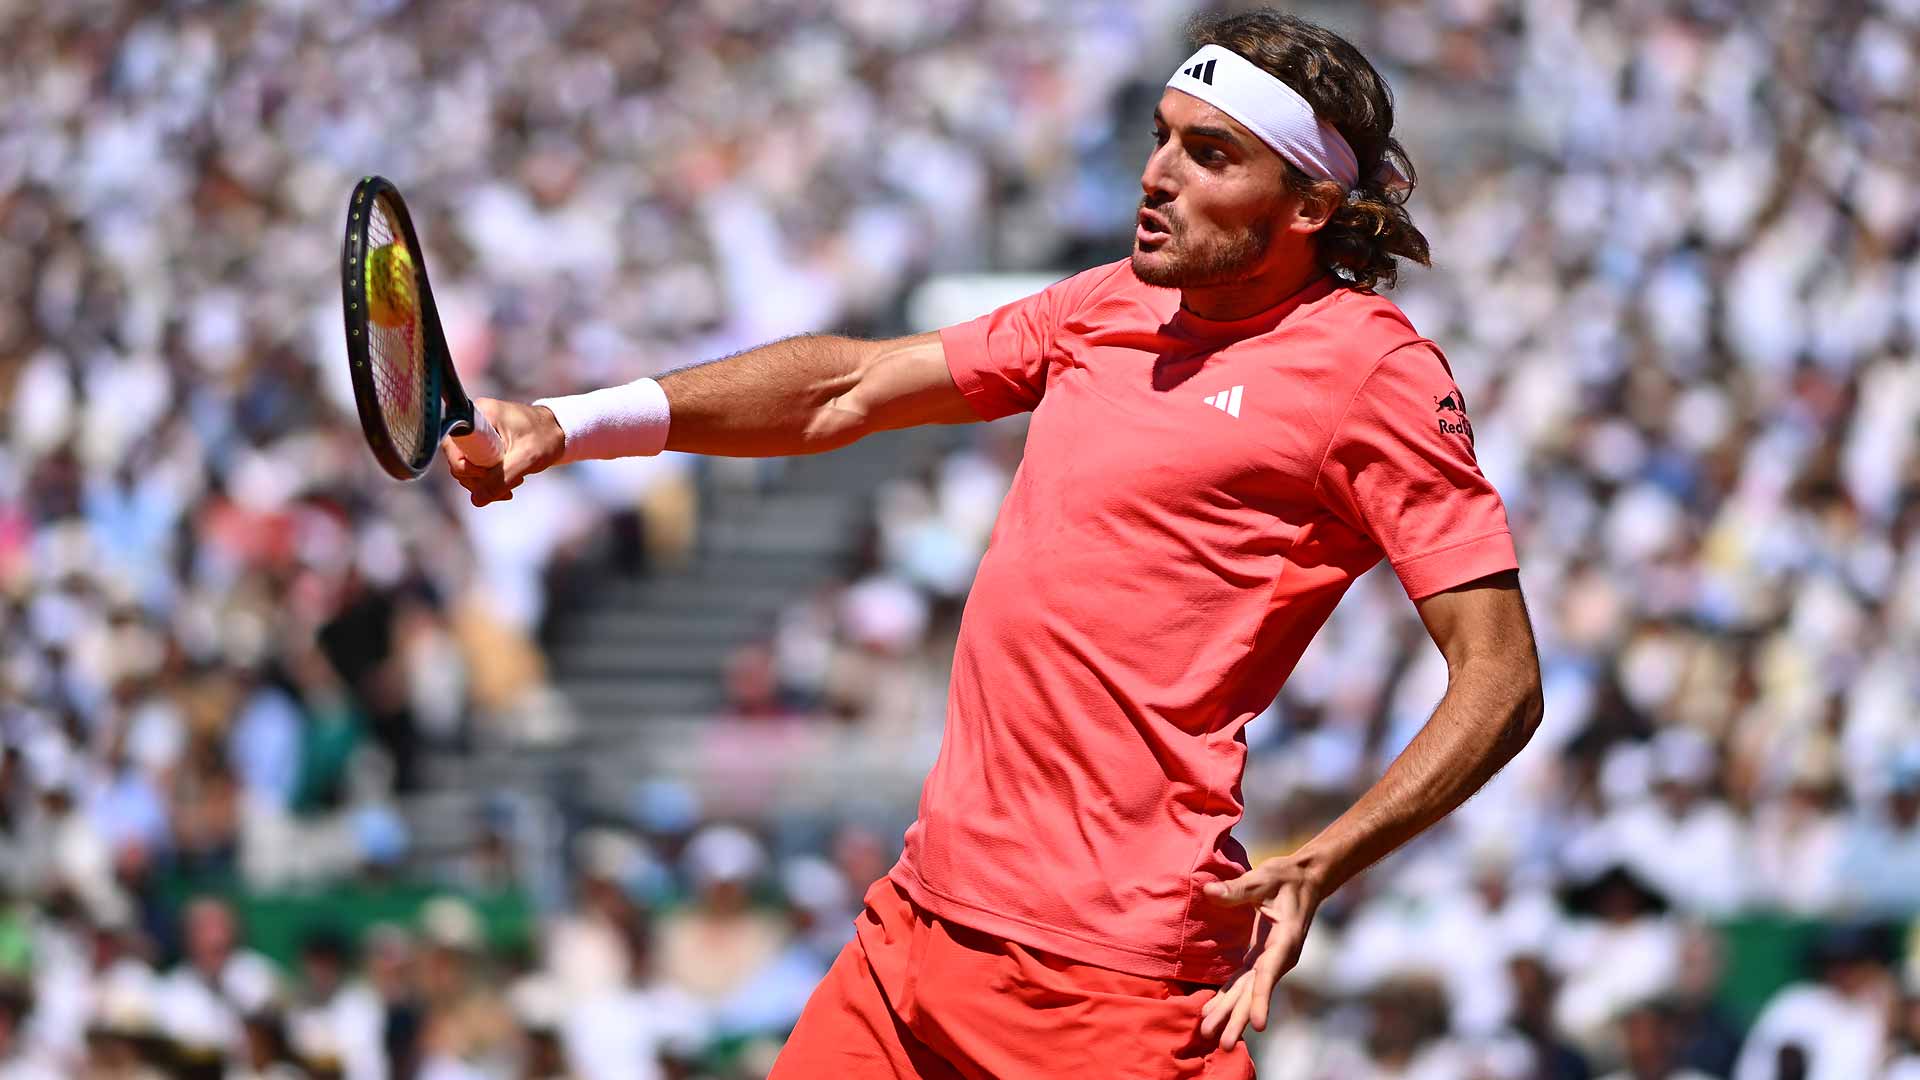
[1151, 229]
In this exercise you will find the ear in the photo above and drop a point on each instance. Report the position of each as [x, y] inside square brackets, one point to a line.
[1312, 211]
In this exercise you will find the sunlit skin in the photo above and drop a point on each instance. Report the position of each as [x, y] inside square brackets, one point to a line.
[1217, 220]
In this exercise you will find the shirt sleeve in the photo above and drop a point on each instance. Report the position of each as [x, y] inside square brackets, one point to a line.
[1000, 359]
[1400, 468]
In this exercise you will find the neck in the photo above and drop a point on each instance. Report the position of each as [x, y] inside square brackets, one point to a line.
[1244, 299]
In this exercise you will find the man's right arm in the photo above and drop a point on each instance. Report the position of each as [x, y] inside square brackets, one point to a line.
[809, 394]
[803, 395]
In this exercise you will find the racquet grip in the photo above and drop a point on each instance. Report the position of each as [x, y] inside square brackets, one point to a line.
[482, 444]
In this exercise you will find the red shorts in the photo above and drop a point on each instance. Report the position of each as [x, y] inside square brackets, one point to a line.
[915, 996]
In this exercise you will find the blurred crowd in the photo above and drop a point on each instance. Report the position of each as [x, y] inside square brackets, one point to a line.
[694, 964]
[1675, 275]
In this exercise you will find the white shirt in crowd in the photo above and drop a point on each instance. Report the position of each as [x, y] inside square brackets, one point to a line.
[622, 1035]
[196, 1014]
[352, 1023]
[1697, 857]
[1844, 1038]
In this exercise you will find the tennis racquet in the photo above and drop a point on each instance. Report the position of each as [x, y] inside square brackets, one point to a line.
[404, 384]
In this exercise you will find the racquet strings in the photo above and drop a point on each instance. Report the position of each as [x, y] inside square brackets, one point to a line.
[396, 346]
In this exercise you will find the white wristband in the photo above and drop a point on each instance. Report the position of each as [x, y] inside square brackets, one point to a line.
[620, 421]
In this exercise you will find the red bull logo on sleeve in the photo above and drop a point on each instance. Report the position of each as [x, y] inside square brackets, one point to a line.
[1453, 414]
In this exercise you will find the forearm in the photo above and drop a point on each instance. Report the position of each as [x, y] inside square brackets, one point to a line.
[1482, 721]
[789, 397]
[798, 396]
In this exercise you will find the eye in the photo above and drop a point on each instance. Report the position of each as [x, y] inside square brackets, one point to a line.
[1159, 136]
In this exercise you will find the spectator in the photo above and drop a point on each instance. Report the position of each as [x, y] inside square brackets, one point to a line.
[265, 1053]
[1881, 862]
[1620, 948]
[1650, 1045]
[466, 1026]
[1406, 1039]
[17, 1059]
[1796, 841]
[713, 948]
[642, 1029]
[1535, 989]
[543, 1057]
[1906, 1055]
[1688, 843]
[1709, 1038]
[201, 1002]
[819, 915]
[1836, 1024]
[392, 972]
[337, 1016]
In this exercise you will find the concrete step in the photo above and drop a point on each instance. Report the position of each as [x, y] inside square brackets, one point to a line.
[639, 699]
[797, 506]
[641, 627]
[679, 595]
[773, 534]
[614, 658]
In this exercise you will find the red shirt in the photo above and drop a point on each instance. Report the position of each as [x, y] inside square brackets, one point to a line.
[1195, 498]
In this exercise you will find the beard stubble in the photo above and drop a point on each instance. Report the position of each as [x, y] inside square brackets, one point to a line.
[1222, 263]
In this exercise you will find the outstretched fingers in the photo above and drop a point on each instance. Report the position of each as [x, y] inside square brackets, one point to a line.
[1215, 1013]
[1284, 916]
[1278, 958]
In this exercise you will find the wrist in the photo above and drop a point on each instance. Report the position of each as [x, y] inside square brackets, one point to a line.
[629, 420]
[1315, 868]
[550, 439]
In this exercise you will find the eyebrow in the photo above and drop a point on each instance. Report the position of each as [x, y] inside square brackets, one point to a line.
[1204, 131]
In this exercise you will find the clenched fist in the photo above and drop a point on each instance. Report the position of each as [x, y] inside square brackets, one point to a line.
[531, 439]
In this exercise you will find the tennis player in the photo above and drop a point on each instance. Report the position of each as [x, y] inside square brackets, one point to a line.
[1228, 428]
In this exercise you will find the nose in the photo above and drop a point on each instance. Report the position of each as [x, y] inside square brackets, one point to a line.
[1157, 180]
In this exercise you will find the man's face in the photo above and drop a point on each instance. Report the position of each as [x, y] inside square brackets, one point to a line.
[323, 971]
[1215, 200]
[1648, 1041]
[210, 934]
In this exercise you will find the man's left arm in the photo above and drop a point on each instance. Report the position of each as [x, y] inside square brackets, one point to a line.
[1491, 708]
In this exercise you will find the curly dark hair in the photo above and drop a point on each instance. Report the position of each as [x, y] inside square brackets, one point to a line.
[1370, 230]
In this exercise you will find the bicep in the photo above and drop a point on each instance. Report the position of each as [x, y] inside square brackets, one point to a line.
[1483, 622]
[905, 382]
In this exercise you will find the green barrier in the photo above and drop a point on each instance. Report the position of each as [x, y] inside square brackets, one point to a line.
[1762, 954]
[276, 923]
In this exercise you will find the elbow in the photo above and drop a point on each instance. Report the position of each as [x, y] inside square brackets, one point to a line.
[841, 413]
[1529, 708]
[833, 426]
[1506, 691]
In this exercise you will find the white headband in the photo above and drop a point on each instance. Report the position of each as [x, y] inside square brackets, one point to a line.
[1275, 113]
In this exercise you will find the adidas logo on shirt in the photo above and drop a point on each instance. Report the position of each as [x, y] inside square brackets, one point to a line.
[1227, 401]
[1203, 72]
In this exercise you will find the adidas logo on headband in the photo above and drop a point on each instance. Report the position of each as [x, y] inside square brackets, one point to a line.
[1203, 72]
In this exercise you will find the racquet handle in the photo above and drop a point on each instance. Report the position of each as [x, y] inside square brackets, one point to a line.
[481, 443]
